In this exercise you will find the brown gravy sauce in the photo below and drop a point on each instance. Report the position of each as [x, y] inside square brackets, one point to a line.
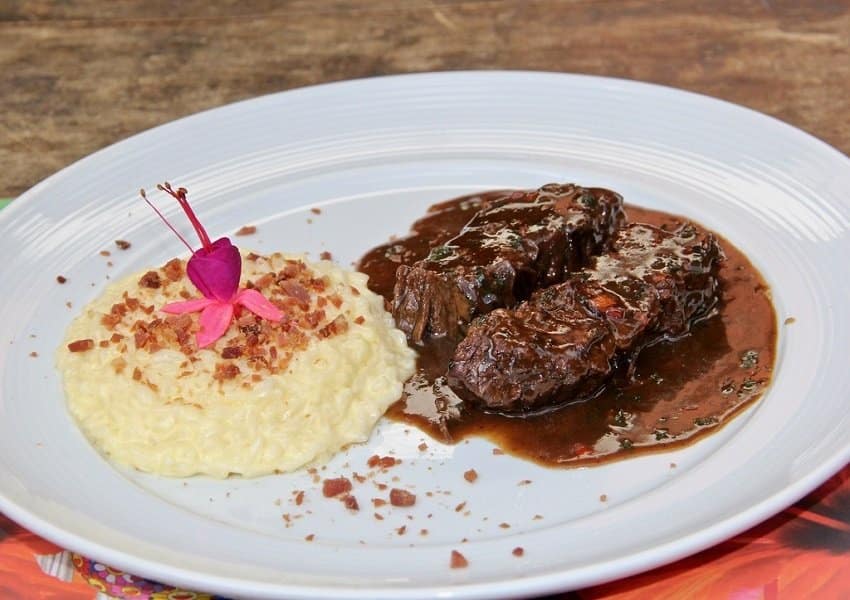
[681, 390]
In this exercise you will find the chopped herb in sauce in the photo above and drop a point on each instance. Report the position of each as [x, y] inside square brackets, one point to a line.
[749, 359]
[621, 419]
[439, 253]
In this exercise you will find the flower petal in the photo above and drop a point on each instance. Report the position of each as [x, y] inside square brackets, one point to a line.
[259, 305]
[216, 272]
[178, 308]
[214, 322]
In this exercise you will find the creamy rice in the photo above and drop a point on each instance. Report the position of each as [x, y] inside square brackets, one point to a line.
[264, 398]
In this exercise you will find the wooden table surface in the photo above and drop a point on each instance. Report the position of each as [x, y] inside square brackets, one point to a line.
[77, 76]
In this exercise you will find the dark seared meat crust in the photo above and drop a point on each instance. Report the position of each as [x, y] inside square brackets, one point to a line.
[514, 245]
[566, 340]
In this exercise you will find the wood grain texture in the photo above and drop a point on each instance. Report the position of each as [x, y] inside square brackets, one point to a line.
[77, 76]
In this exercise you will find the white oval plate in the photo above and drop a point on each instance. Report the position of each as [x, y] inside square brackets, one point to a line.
[372, 154]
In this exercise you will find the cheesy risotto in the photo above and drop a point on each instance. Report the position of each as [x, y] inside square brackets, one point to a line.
[266, 397]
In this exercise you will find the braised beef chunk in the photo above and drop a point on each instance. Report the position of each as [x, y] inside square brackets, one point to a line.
[550, 346]
[516, 243]
[567, 339]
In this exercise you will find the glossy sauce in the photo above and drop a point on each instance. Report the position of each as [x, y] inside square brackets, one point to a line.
[680, 391]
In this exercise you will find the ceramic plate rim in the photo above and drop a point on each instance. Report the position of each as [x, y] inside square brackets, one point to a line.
[540, 583]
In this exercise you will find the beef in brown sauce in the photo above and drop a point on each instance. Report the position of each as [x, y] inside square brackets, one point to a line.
[681, 388]
[568, 338]
[515, 244]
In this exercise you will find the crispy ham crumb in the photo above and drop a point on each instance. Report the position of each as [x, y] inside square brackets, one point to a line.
[34, 354]
[471, 475]
[61, 279]
[401, 530]
[173, 269]
[246, 230]
[423, 532]
[316, 211]
[378, 502]
[498, 452]
[325, 255]
[359, 320]
[383, 462]
[310, 537]
[335, 487]
[225, 372]
[378, 516]
[518, 551]
[231, 352]
[603, 497]
[122, 244]
[460, 506]
[504, 525]
[351, 503]
[525, 482]
[81, 345]
[299, 497]
[399, 497]
[458, 560]
[336, 327]
[105, 253]
[150, 280]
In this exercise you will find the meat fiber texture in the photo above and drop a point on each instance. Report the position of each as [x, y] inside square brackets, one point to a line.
[565, 341]
[514, 245]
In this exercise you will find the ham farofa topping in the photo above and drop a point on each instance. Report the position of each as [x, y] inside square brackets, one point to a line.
[81, 345]
[335, 487]
[246, 230]
[458, 560]
[223, 372]
[150, 280]
[311, 308]
[399, 497]
[382, 462]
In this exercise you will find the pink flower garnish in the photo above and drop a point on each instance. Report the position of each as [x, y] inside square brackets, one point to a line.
[215, 270]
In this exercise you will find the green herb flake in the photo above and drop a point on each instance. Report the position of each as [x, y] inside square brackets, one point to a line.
[705, 421]
[480, 276]
[749, 386]
[727, 388]
[749, 359]
[688, 231]
[661, 434]
[626, 444]
[656, 378]
[588, 200]
[621, 419]
[439, 253]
